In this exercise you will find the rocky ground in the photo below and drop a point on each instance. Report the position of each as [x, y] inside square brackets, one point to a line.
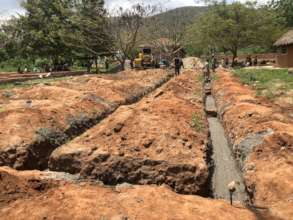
[262, 140]
[35, 120]
[160, 140]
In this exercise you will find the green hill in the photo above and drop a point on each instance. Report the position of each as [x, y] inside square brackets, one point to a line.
[184, 15]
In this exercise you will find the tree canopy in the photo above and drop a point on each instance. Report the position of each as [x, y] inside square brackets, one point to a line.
[59, 31]
[229, 27]
[284, 8]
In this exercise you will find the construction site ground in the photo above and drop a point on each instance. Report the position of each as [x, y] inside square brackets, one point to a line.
[261, 137]
[139, 145]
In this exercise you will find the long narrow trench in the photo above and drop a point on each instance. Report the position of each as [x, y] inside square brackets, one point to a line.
[40, 152]
[225, 169]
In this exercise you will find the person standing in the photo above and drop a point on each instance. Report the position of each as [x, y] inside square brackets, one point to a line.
[106, 63]
[226, 62]
[248, 61]
[255, 61]
[178, 63]
[206, 71]
[214, 62]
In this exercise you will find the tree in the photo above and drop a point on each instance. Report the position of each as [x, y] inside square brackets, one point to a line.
[174, 27]
[88, 36]
[284, 8]
[229, 27]
[43, 28]
[3, 39]
[126, 29]
[11, 39]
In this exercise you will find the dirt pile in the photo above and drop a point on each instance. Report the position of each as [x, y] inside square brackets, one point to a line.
[34, 121]
[68, 200]
[160, 140]
[192, 63]
[15, 185]
[262, 140]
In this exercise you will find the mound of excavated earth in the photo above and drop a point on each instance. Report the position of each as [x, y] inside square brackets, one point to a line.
[34, 121]
[37, 195]
[192, 63]
[160, 140]
[262, 139]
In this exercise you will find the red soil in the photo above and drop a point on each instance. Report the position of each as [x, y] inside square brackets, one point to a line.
[262, 139]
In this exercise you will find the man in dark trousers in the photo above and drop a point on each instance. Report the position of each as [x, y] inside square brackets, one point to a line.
[214, 62]
[206, 71]
[178, 63]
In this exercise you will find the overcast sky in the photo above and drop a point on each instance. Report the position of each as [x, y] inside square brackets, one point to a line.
[12, 7]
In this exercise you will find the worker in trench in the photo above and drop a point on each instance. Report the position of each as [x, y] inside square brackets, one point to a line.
[213, 62]
[206, 71]
[178, 63]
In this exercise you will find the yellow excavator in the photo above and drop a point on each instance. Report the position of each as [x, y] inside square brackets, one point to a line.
[145, 59]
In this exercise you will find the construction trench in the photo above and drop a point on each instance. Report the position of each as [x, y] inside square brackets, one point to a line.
[168, 135]
[122, 168]
[224, 168]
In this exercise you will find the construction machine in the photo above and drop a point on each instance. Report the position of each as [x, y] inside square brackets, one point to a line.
[145, 59]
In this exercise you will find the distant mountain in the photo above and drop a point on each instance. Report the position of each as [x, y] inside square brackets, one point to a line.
[185, 15]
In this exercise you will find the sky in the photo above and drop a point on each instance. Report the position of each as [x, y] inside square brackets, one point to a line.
[12, 7]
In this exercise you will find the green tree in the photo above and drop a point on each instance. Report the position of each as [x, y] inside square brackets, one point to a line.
[284, 8]
[88, 34]
[11, 40]
[43, 28]
[229, 27]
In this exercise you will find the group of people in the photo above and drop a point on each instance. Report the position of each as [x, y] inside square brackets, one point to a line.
[248, 62]
[210, 65]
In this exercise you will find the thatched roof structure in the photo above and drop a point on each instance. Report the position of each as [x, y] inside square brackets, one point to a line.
[285, 40]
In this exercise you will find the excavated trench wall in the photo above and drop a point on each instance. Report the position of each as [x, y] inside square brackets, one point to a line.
[223, 169]
[262, 142]
[160, 140]
[46, 120]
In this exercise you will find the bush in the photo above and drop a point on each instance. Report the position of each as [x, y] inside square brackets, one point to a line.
[53, 137]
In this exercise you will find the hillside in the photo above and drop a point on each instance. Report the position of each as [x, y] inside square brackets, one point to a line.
[184, 15]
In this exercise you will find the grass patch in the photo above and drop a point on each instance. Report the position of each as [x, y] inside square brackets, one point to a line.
[197, 122]
[267, 82]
